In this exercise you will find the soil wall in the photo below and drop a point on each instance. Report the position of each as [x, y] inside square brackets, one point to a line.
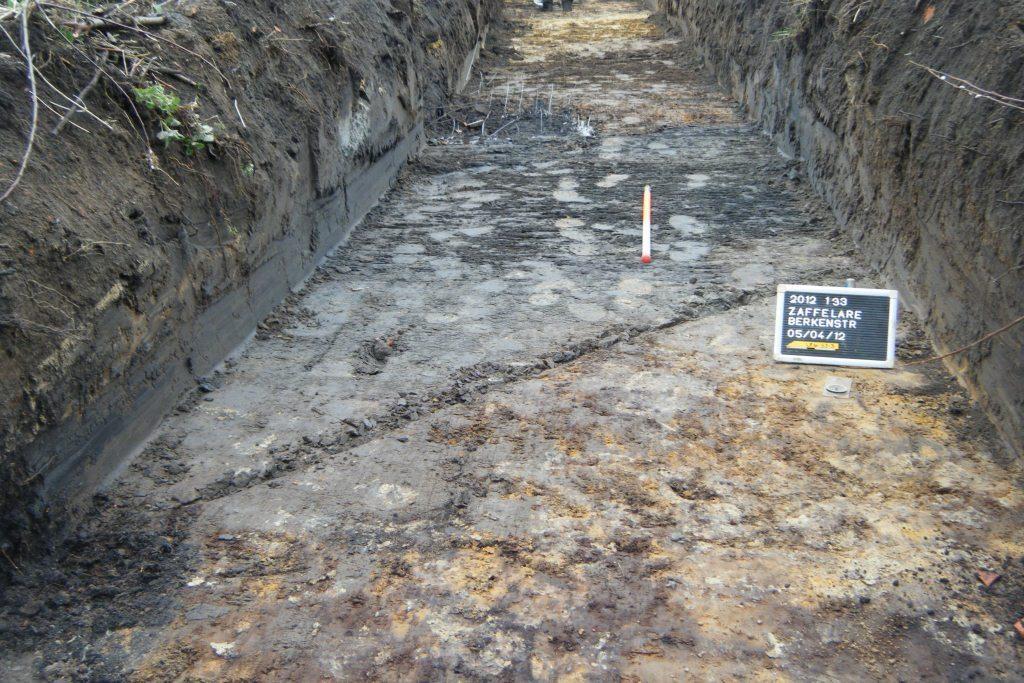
[927, 175]
[122, 285]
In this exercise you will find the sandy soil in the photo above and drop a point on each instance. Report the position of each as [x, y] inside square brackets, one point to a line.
[486, 443]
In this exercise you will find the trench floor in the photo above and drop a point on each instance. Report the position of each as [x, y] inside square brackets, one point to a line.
[485, 442]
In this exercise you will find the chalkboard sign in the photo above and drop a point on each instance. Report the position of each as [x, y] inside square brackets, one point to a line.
[836, 326]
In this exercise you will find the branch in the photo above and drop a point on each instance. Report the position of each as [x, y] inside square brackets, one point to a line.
[504, 127]
[80, 99]
[148, 34]
[41, 76]
[27, 47]
[967, 86]
[175, 74]
[988, 336]
[131, 102]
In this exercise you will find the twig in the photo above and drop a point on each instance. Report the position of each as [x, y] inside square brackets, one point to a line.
[98, 23]
[41, 76]
[52, 106]
[57, 293]
[16, 567]
[504, 127]
[1007, 272]
[42, 469]
[150, 156]
[80, 99]
[965, 85]
[27, 47]
[988, 336]
[237, 111]
[148, 34]
[907, 113]
[878, 44]
[175, 74]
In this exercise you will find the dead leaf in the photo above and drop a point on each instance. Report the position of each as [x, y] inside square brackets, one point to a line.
[987, 577]
[929, 12]
[1020, 627]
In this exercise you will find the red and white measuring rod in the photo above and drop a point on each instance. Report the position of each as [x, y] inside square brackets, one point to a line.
[645, 256]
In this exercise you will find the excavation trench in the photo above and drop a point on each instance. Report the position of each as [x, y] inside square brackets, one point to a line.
[484, 441]
[131, 266]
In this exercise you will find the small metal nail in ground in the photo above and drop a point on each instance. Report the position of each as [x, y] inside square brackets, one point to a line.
[838, 387]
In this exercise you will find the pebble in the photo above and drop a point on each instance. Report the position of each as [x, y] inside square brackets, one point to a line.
[223, 650]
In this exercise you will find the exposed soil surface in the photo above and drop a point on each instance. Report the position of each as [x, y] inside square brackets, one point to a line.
[485, 442]
[129, 268]
[907, 118]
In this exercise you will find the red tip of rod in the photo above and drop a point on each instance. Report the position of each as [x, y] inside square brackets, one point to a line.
[645, 259]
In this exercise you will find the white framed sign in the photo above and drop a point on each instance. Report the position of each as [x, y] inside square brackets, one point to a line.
[848, 326]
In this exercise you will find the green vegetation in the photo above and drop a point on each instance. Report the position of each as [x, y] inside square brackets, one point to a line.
[155, 98]
[169, 110]
[799, 12]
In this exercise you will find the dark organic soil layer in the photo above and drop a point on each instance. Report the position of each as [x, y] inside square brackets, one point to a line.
[122, 286]
[928, 176]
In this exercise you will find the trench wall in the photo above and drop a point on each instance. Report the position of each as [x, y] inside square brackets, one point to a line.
[124, 286]
[927, 176]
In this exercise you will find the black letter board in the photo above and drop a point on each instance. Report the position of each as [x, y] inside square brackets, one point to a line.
[836, 326]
